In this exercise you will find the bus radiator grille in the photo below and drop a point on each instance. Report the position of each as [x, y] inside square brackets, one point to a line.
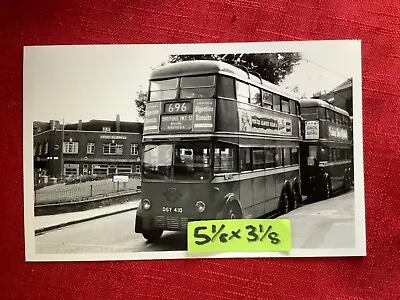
[172, 223]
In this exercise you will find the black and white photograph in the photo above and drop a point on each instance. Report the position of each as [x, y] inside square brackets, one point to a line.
[126, 144]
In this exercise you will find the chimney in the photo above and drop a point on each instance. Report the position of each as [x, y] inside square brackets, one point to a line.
[80, 125]
[52, 124]
[118, 127]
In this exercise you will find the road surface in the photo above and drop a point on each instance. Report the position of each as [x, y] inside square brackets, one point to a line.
[326, 224]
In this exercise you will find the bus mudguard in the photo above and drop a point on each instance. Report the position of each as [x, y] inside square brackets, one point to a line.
[229, 198]
[138, 219]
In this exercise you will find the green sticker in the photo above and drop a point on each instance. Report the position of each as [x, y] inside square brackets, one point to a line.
[239, 235]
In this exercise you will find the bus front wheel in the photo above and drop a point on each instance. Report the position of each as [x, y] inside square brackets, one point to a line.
[152, 235]
[232, 211]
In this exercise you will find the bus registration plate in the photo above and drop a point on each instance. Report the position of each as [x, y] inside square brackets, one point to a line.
[172, 209]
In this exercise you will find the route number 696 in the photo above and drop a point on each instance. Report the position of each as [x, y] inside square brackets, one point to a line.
[176, 107]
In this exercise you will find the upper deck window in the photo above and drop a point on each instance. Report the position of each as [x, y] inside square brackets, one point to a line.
[226, 87]
[277, 102]
[285, 105]
[322, 113]
[310, 113]
[293, 107]
[242, 92]
[330, 115]
[163, 89]
[255, 97]
[267, 99]
[197, 87]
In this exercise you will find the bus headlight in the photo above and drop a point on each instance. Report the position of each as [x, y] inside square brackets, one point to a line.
[146, 204]
[200, 206]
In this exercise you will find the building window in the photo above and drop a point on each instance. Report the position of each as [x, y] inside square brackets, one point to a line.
[134, 149]
[106, 129]
[70, 147]
[90, 148]
[137, 169]
[71, 169]
[115, 149]
[46, 147]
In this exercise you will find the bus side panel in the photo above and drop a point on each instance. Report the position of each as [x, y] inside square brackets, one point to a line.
[246, 196]
[280, 180]
[226, 108]
[259, 194]
[270, 193]
[337, 175]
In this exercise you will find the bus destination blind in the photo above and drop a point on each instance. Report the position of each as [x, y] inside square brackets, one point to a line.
[199, 118]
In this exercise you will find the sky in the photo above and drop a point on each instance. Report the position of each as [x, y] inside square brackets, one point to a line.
[73, 83]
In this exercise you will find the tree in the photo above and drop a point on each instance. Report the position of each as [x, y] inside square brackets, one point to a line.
[140, 102]
[273, 67]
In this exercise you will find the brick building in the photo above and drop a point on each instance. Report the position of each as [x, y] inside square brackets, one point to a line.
[85, 148]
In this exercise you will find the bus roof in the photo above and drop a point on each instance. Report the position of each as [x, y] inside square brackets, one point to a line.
[321, 103]
[200, 67]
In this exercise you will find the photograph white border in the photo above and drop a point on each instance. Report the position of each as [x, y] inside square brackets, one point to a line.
[265, 47]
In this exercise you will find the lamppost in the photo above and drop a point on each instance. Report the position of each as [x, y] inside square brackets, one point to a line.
[62, 152]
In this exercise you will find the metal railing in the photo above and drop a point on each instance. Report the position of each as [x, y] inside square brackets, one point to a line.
[77, 192]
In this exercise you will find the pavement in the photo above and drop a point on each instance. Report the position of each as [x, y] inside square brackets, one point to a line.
[50, 222]
[325, 224]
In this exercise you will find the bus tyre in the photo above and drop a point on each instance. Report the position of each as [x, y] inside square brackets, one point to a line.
[232, 211]
[347, 184]
[285, 202]
[296, 197]
[327, 188]
[152, 235]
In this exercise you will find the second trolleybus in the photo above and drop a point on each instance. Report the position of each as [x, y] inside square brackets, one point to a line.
[327, 149]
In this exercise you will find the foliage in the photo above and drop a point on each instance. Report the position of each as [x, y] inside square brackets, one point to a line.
[140, 102]
[273, 67]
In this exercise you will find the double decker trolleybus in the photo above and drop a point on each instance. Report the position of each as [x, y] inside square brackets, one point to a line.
[218, 142]
[327, 149]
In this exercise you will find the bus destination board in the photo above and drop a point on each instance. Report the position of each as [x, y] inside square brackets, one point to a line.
[152, 118]
[201, 120]
[182, 107]
[182, 122]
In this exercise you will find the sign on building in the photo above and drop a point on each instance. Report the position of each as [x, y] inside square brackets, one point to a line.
[120, 178]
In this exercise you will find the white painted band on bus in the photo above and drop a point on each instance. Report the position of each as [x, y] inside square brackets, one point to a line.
[253, 174]
[323, 164]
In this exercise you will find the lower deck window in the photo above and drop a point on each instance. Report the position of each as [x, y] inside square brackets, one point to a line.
[245, 159]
